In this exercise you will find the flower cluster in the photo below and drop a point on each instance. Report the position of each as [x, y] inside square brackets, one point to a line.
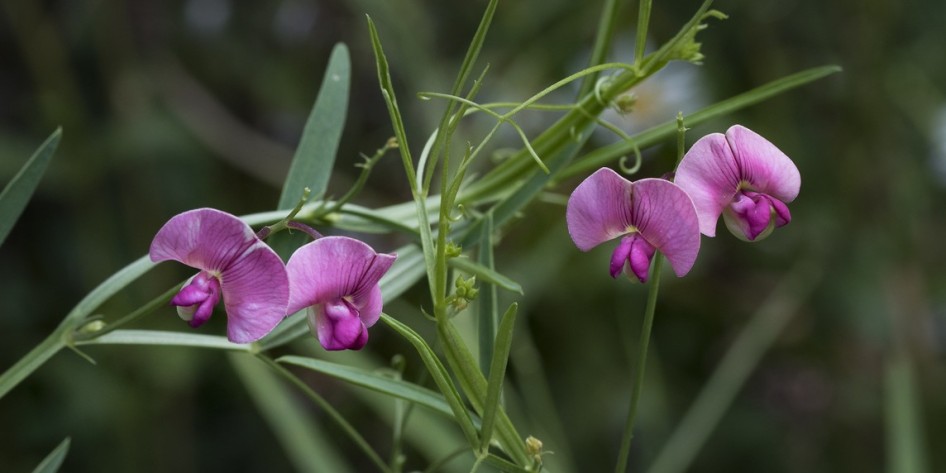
[335, 279]
[740, 176]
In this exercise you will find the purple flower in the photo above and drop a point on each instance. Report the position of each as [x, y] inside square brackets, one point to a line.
[648, 215]
[233, 263]
[336, 279]
[743, 177]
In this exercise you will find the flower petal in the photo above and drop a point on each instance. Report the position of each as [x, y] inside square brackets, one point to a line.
[206, 239]
[336, 327]
[334, 267]
[369, 306]
[709, 174]
[667, 219]
[599, 209]
[255, 292]
[766, 168]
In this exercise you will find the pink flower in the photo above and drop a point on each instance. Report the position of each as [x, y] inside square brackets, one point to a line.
[336, 280]
[648, 215]
[233, 263]
[743, 177]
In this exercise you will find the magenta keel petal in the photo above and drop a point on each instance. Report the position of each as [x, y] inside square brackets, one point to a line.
[338, 326]
[620, 255]
[639, 260]
[197, 299]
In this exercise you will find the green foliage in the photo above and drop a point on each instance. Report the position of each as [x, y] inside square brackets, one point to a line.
[17, 193]
[54, 460]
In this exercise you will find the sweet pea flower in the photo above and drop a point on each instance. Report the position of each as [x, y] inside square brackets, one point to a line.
[234, 264]
[335, 279]
[742, 176]
[648, 215]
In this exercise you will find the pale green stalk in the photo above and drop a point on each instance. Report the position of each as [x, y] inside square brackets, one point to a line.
[330, 410]
[641, 364]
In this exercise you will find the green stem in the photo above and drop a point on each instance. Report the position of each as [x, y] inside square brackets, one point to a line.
[142, 311]
[643, 18]
[33, 360]
[327, 407]
[641, 364]
[737, 364]
[606, 24]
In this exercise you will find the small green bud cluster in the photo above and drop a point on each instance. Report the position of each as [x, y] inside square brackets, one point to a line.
[464, 293]
[453, 250]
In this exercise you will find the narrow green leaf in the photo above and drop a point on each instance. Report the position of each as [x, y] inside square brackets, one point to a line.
[487, 309]
[306, 445]
[376, 382]
[603, 156]
[387, 91]
[507, 208]
[440, 376]
[160, 337]
[55, 341]
[497, 372]
[109, 288]
[18, 191]
[53, 461]
[469, 60]
[906, 452]
[486, 274]
[314, 158]
[474, 385]
[606, 24]
[423, 221]
[504, 465]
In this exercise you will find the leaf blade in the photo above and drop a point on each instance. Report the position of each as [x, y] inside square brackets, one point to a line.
[19, 190]
[315, 157]
[306, 445]
[485, 274]
[369, 380]
[165, 338]
[54, 460]
[497, 371]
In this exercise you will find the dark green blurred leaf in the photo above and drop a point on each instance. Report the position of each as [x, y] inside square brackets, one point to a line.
[17, 193]
[906, 452]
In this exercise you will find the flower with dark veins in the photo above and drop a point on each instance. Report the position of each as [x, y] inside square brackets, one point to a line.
[234, 265]
[335, 279]
[744, 178]
[649, 215]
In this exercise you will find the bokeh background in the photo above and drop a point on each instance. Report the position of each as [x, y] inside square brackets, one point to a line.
[168, 106]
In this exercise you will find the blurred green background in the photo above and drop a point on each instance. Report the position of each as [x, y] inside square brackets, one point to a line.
[169, 106]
